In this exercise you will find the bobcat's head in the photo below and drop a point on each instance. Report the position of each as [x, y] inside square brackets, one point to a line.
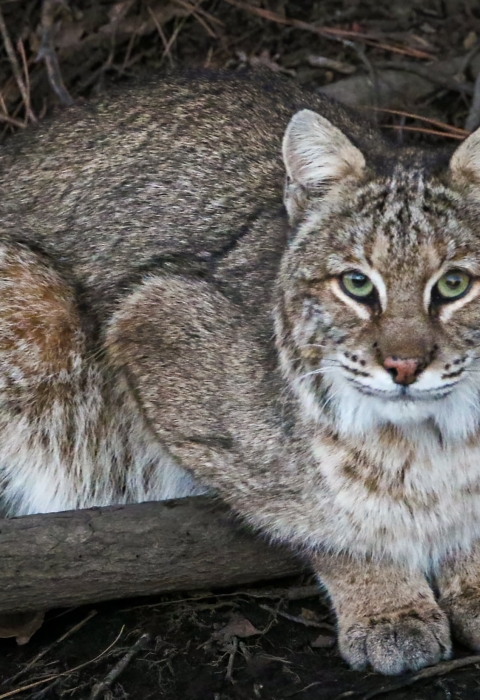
[378, 314]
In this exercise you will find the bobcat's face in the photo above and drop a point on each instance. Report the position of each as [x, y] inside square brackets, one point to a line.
[378, 319]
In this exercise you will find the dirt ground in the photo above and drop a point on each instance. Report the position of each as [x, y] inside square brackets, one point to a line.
[248, 645]
[414, 64]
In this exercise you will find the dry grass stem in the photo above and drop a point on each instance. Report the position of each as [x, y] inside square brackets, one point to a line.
[422, 130]
[428, 120]
[47, 649]
[29, 686]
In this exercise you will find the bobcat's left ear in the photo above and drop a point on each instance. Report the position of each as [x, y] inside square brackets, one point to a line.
[465, 162]
[316, 155]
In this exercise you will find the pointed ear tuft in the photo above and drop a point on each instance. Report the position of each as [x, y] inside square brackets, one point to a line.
[316, 154]
[465, 162]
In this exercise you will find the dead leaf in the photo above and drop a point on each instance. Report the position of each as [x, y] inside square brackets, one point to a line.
[308, 614]
[22, 626]
[69, 35]
[238, 626]
[323, 641]
[470, 40]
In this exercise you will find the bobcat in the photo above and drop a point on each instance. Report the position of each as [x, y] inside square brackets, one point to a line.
[168, 325]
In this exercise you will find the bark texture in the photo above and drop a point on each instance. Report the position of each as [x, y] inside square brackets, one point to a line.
[86, 556]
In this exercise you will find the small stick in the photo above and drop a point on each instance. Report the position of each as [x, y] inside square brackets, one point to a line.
[160, 33]
[200, 20]
[425, 673]
[299, 620]
[39, 695]
[21, 51]
[231, 658]
[11, 121]
[17, 71]
[307, 687]
[47, 52]
[119, 667]
[294, 593]
[51, 646]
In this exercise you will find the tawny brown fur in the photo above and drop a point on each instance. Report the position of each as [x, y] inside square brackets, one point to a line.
[162, 315]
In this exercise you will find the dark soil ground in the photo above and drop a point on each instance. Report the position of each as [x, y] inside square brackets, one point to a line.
[414, 57]
[229, 646]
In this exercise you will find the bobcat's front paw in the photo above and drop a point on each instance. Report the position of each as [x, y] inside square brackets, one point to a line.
[405, 640]
[464, 613]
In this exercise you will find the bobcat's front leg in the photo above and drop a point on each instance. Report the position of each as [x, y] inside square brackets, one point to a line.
[459, 586]
[387, 616]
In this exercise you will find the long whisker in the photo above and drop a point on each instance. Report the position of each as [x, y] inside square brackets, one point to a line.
[329, 398]
[320, 370]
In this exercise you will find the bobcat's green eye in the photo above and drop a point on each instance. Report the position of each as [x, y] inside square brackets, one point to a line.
[452, 285]
[357, 285]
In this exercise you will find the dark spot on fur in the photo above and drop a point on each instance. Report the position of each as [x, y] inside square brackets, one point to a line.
[451, 375]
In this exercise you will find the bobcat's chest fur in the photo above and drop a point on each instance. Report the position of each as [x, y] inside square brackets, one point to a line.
[413, 499]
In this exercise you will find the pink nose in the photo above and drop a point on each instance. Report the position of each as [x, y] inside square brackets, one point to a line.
[403, 371]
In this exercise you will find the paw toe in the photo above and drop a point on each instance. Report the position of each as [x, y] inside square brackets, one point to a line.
[396, 645]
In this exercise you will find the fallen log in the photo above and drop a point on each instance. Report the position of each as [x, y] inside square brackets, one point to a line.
[86, 556]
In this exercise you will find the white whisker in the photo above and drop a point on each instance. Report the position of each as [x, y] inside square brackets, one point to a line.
[320, 370]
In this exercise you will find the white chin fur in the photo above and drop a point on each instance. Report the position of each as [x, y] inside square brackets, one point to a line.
[456, 416]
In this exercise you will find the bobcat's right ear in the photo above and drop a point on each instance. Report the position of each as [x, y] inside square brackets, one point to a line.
[465, 162]
[316, 154]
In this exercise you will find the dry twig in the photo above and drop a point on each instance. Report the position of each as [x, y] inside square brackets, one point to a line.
[293, 593]
[299, 620]
[231, 659]
[327, 32]
[17, 71]
[161, 33]
[120, 666]
[425, 674]
[47, 52]
[428, 120]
